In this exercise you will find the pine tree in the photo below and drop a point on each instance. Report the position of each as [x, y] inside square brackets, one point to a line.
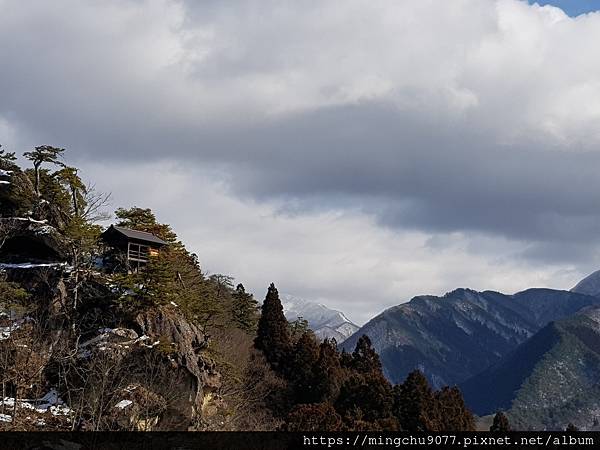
[415, 404]
[500, 423]
[40, 155]
[7, 160]
[272, 336]
[68, 176]
[453, 413]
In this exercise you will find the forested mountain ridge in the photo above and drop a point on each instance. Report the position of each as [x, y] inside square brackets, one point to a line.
[456, 336]
[550, 380]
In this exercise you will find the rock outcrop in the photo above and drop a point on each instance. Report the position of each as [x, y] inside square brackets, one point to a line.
[183, 342]
[27, 243]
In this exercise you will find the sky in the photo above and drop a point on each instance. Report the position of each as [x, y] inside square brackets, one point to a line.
[355, 152]
[573, 7]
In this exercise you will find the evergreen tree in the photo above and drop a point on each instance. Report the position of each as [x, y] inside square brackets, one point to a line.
[69, 177]
[364, 358]
[272, 336]
[297, 328]
[303, 363]
[7, 160]
[571, 428]
[365, 395]
[40, 155]
[17, 193]
[143, 219]
[453, 413]
[346, 359]
[328, 372]
[415, 404]
[500, 423]
[245, 309]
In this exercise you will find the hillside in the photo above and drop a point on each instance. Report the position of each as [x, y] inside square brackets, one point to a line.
[325, 322]
[457, 336]
[549, 381]
[590, 285]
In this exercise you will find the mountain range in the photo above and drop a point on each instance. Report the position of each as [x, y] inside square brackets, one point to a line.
[534, 354]
[456, 336]
[325, 322]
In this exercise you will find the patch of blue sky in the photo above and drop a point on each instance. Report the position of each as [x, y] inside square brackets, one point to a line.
[572, 7]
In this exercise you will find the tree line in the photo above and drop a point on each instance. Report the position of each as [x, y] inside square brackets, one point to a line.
[332, 390]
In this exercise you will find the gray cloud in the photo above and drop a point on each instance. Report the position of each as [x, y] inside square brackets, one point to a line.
[471, 117]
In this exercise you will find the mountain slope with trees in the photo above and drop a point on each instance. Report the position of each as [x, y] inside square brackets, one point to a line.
[457, 336]
[548, 382]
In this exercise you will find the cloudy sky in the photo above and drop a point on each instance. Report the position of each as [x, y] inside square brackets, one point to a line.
[356, 152]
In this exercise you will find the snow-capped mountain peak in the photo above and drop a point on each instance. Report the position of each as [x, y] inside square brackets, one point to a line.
[325, 322]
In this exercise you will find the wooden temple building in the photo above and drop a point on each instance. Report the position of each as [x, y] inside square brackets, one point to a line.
[131, 249]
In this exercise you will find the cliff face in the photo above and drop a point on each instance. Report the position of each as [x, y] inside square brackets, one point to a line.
[185, 341]
[109, 368]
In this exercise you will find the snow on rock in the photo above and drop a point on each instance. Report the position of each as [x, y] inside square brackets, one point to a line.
[4, 182]
[5, 173]
[117, 339]
[123, 404]
[29, 219]
[5, 418]
[30, 265]
[51, 397]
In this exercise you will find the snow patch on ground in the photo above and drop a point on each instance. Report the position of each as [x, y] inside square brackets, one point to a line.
[5, 332]
[123, 404]
[51, 402]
